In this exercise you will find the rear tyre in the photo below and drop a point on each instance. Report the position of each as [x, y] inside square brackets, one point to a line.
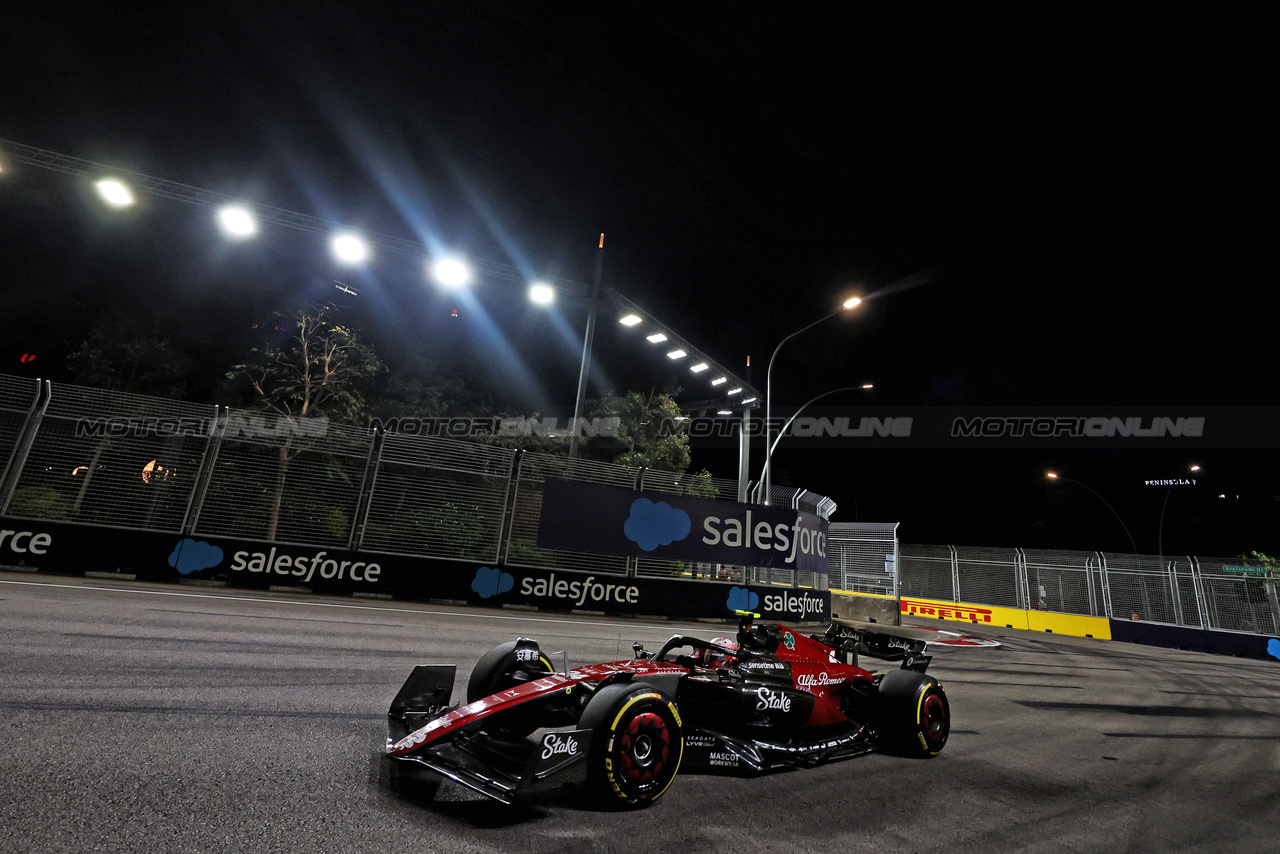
[636, 744]
[503, 667]
[912, 716]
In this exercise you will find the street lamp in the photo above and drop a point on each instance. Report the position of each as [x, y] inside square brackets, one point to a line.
[768, 454]
[1055, 476]
[766, 478]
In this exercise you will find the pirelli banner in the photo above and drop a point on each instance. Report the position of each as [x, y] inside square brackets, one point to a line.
[1012, 618]
[173, 558]
[610, 520]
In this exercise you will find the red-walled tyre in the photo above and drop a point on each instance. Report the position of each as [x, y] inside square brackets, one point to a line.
[636, 744]
[912, 714]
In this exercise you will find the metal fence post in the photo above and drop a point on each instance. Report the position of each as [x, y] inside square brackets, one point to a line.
[511, 494]
[1105, 585]
[25, 441]
[1171, 575]
[367, 486]
[202, 473]
[18, 455]
[955, 574]
[1021, 578]
[1089, 586]
[1202, 602]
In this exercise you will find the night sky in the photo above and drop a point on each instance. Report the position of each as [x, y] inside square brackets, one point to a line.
[1057, 207]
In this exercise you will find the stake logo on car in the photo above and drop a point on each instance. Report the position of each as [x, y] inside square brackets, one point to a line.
[553, 745]
[772, 701]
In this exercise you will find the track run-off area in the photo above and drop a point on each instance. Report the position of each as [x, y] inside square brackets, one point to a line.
[138, 717]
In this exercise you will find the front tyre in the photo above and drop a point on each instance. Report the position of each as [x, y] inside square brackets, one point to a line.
[913, 715]
[506, 666]
[636, 745]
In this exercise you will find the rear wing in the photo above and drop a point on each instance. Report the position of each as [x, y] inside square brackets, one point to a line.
[894, 643]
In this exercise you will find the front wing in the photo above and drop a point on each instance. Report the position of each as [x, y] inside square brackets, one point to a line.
[503, 767]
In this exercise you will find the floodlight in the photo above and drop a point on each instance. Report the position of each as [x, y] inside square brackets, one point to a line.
[349, 248]
[237, 221]
[114, 192]
[541, 293]
[451, 272]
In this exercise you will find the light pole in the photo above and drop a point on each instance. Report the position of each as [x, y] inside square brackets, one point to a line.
[766, 477]
[1055, 476]
[768, 453]
[585, 368]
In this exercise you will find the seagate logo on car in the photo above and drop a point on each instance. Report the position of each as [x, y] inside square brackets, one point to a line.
[553, 745]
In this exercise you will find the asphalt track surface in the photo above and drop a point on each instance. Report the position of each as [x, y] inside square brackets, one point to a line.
[152, 718]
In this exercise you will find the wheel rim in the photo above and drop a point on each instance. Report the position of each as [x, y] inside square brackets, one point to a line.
[933, 719]
[643, 750]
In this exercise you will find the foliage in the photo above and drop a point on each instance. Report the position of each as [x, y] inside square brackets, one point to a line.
[322, 368]
[124, 353]
[1272, 564]
[644, 435]
[699, 485]
[40, 502]
[433, 387]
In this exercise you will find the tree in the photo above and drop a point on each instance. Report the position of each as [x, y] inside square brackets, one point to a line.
[645, 432]
[432, 386]
[320, 369]
[122, 352]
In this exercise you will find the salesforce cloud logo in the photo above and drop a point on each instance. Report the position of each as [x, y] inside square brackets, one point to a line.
[490, 582]
[742, 599]
[1273, 647]
[190, 556]
[651, 525]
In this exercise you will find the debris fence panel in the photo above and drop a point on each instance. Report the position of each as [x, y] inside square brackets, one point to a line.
[83, 455]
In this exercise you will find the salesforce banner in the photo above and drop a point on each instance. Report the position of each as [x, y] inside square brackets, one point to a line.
[156, 557]
[585, 517]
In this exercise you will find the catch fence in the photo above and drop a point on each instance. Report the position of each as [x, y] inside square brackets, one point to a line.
[1184, 590]
[83, 455]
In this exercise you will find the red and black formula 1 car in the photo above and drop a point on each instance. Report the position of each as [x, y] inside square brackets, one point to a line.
[775, 699]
